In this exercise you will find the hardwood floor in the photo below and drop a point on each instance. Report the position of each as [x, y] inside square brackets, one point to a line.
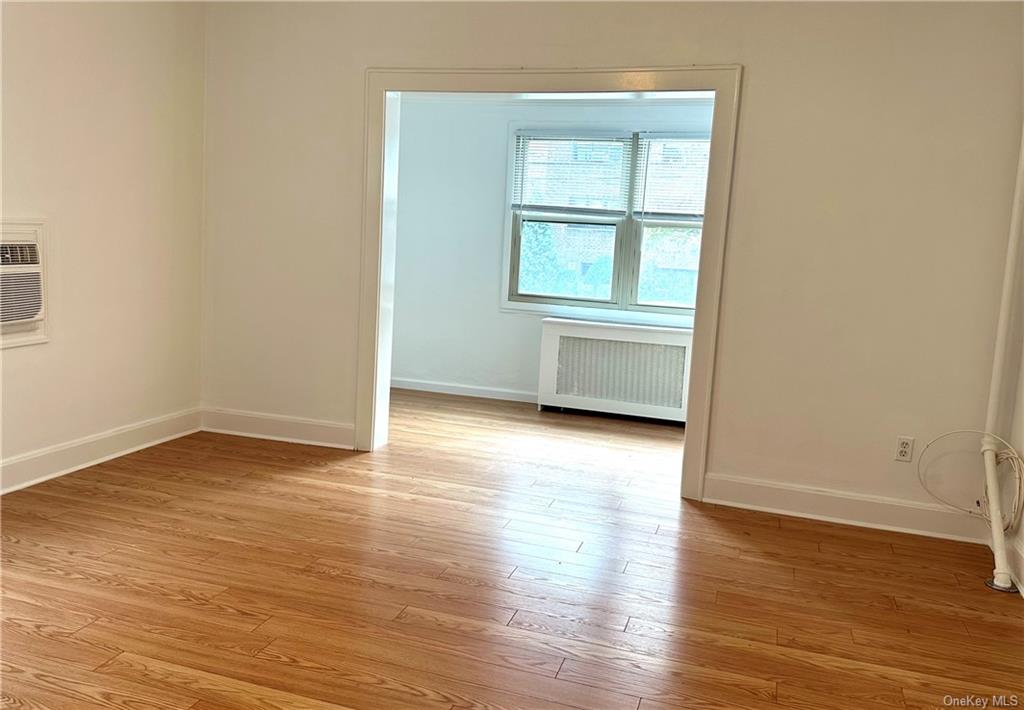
[489, 557]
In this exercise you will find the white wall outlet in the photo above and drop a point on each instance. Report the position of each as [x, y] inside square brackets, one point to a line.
[904, 448]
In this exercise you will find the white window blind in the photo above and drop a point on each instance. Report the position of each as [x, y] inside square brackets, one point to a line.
[572, 173]
[672, 176]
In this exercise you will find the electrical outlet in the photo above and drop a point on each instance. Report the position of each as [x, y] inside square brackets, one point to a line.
[904, 448]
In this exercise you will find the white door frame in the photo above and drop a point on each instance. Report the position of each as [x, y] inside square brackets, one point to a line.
[379, 222]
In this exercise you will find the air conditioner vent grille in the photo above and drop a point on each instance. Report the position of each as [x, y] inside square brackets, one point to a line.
[21, 296]
[19, 254]
[621, 371]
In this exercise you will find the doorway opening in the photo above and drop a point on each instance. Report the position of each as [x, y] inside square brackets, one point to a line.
[539, 246]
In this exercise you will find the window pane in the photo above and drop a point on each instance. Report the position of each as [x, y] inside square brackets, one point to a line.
[566, 260]
[675, 175]
[572, 172]
[669, 258]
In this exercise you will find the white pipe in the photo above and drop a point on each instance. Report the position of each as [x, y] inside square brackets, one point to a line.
[1001, 574]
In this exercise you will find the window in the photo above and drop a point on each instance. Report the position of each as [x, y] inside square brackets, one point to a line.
[610, 221]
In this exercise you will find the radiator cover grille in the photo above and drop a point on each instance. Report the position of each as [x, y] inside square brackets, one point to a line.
[621, 371]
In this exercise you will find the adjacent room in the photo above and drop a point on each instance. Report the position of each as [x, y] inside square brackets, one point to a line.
[547, 250]
[512, 355]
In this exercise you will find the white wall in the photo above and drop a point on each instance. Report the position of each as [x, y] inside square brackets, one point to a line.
[1015, 539]
[450, 330]
[102, 136]
[874, 169]
[1012, 424]
[872, 187]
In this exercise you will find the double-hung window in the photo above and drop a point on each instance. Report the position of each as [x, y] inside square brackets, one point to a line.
[609, 221]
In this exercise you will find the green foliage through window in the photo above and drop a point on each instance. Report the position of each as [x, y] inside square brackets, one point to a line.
[669, 260]
[566, 260]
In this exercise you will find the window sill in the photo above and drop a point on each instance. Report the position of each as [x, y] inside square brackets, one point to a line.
[599, 315]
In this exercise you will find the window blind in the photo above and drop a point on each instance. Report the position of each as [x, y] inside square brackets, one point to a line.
[672, 176]
[587, 173]
[575, 173]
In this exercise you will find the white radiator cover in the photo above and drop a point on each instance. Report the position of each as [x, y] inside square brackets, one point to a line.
[608, 367]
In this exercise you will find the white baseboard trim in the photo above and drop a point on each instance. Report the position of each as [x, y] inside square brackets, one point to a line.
[463, 390]
[278, 427]
[835, 506]
[49, 462]
[28, 469]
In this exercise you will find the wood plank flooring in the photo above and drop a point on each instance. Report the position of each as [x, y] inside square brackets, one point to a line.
[490, 557]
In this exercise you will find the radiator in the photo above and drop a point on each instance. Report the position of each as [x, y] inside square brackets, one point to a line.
[637, 370]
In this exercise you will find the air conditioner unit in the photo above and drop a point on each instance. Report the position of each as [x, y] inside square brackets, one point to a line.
[636, 370]
[22, 283]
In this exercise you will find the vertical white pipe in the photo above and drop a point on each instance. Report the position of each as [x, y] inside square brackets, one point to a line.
[1001, 573]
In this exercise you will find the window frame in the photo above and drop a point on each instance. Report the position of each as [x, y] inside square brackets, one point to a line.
[628, 235]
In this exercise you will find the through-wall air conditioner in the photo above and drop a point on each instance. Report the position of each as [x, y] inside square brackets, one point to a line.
[637, 370]
[22, 283]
